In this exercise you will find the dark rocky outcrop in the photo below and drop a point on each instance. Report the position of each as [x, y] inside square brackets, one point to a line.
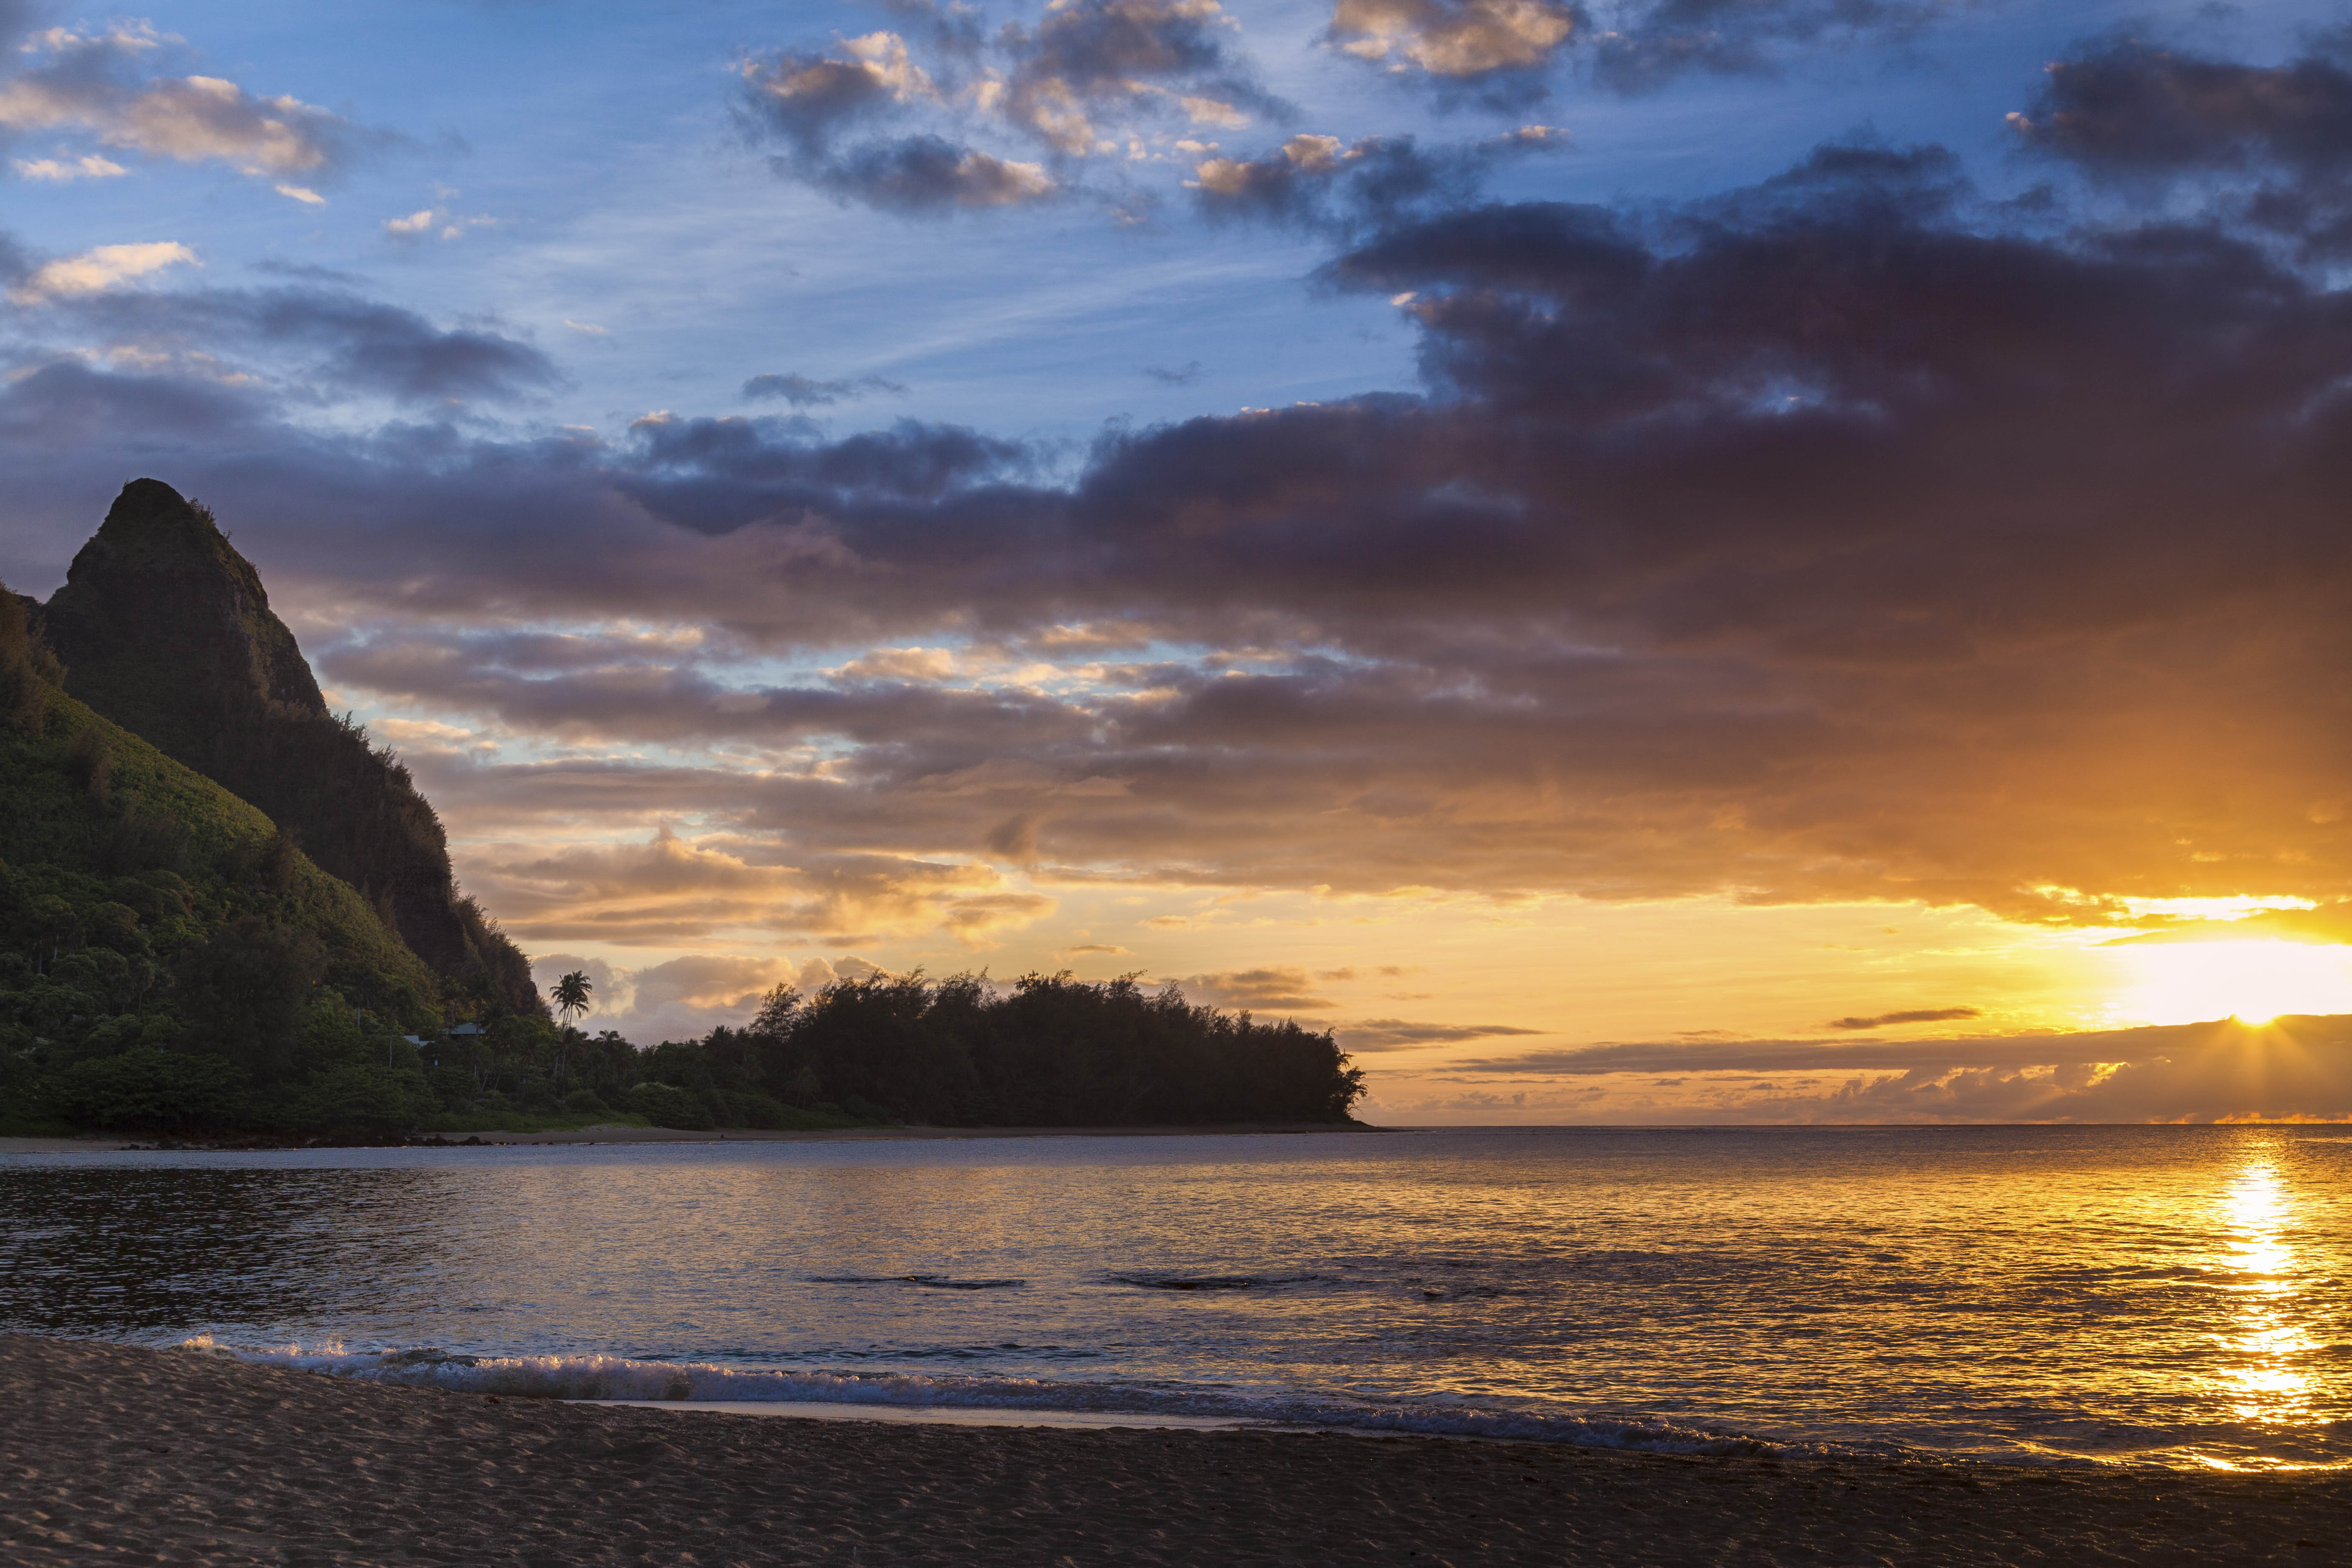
[165, 629]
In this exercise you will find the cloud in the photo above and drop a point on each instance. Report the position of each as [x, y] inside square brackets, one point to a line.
[1321, 183]
[429, 223]
[681, 999]
[1096, 949]
[977, 920]
[808, 100]
[927, 175]
[1916, 1016]
[89, 167]
[668, 891]
[1181, 375]
[2131, 112]
[1089, 59]
[1279, 988]
[95, 271]
[1402, 1035]
[2200, 1072]
[866, 122]
[1845, 538]
[1500, 50]
[337, 343]
[101, 83]
[812, 103]
[803, 392]
[1471, 37]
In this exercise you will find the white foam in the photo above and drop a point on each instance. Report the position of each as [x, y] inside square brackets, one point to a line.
[617, 1379]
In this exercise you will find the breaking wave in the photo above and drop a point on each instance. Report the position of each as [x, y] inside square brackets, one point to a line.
[619, 1377]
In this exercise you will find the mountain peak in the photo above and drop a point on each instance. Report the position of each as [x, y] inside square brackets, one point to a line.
[159, 587]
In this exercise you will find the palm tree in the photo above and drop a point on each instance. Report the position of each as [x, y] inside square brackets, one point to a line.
[570, 996]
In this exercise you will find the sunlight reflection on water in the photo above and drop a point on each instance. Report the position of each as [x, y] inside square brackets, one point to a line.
[2268, 1347]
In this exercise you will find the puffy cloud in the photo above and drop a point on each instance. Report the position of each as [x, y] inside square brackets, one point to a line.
[95, 271]
[425, 223]
[1453, 37]
[808, 99]
[1089, 59]
[681, 999]
[812, 102]
[56, 171]
[101, 83]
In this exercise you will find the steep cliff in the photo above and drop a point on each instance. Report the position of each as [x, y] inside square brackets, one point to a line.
[166, 630]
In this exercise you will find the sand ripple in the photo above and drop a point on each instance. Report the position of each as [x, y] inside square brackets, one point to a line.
[110, 1454]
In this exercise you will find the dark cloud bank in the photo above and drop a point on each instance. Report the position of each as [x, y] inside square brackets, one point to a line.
[1843, 538]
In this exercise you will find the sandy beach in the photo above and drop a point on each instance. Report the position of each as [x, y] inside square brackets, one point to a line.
[114, 1454]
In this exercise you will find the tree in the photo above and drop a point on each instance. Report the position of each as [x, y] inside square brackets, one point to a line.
[570, 996]
[570, 999]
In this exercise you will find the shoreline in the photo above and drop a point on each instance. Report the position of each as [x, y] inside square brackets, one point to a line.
[619, 1133]
[179, 1456]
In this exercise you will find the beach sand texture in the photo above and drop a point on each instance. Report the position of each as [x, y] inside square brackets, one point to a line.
[110, 1454]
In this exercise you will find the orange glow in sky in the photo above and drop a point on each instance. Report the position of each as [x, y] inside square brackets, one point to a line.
[2251, 981]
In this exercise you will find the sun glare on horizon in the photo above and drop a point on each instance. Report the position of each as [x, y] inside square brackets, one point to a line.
[2252, 980]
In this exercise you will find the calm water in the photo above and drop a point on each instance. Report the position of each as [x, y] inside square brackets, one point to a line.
[2169, 1295]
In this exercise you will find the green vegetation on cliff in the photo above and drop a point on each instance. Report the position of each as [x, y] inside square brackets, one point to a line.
[169, 959]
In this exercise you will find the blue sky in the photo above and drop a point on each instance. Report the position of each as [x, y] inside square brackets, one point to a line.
[597, 165]
[1705, 551]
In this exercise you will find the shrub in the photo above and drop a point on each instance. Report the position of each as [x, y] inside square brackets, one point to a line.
[665, 1105]
[148, 1091]
[370, 1102]
[584, 1102]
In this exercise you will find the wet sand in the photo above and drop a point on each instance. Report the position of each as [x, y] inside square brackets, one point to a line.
[117, 1454]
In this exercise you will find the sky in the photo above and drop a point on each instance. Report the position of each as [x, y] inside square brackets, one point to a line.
[1680, 561]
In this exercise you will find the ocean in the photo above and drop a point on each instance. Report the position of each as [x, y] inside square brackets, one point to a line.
[2169, 1296]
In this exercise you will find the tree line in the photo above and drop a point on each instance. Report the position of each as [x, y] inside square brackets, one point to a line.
[1047, 1051]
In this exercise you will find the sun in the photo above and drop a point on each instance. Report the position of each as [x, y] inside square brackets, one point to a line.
[2252, 980]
